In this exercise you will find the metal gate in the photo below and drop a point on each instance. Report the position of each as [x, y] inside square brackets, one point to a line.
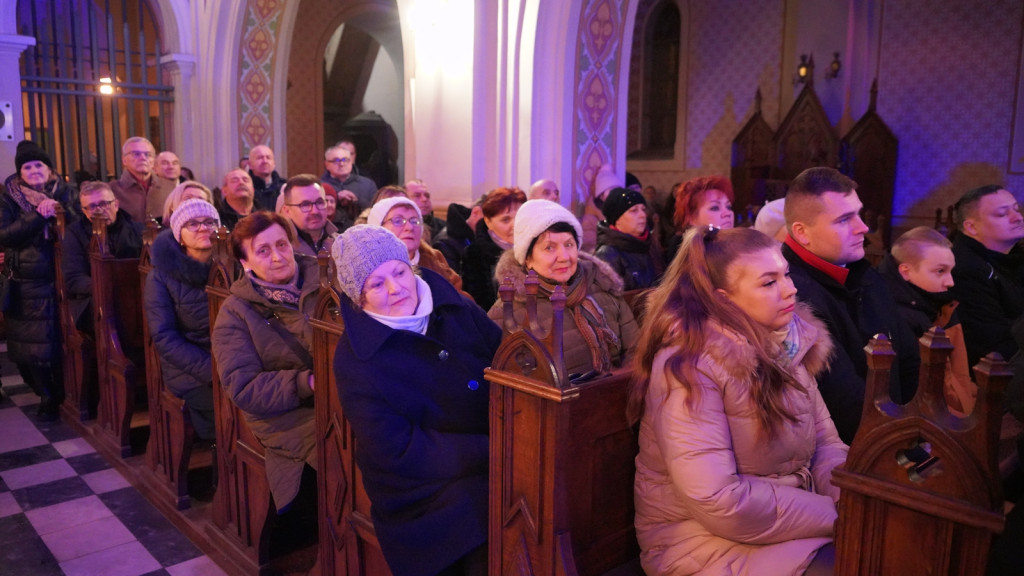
[92, 80]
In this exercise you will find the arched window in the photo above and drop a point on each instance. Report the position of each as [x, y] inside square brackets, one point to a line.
[655, 99]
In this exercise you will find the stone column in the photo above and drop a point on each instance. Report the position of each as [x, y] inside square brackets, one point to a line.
[181, 68]
[13, 130]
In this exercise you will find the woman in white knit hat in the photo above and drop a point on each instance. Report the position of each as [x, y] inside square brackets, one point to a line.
[177, 310]
[401, 216]
[599, 328]
[410, 379]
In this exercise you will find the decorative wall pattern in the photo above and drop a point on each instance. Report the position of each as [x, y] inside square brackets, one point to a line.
[597, 84]
[255, 69]
[946, 88]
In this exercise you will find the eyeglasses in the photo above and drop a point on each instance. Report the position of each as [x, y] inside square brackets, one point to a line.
[97, 206]
[195, 225]
[398, 221]
[307, 206]
[340, 161]
[140, 154]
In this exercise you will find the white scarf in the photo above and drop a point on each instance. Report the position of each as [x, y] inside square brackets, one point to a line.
[417, 321]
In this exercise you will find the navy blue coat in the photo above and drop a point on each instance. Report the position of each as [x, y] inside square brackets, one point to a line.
[418, 406]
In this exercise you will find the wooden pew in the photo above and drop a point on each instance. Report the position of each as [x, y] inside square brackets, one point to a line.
[562, 458]
[78, 349]
[117, 314]
[171, 436]
[242, 503]
[348, 543]
[921, 488]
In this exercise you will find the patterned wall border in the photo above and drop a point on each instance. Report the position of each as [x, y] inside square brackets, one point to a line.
[255, 69]
[602, 24]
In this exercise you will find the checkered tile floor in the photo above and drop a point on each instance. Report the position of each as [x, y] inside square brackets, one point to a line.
[64, 510]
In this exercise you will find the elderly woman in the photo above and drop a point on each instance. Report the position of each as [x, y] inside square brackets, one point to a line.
[624, 239]
[599, 328]
[410, 378]
[494, 234]
[27, 205]
[185, 191]
[262, 342]
[177, 310]
[401, 216]
[734, 474]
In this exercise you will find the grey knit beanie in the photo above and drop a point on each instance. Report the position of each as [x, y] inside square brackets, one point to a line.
[192, 209]
[359, 251]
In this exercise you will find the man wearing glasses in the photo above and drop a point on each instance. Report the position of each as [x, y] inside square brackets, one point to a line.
[138, 191]
[351, 187]
[124, 240]
[305, 206]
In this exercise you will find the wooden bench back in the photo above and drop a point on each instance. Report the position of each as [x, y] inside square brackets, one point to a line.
[241, 505]
[920, 488]
[562, 456]
[78, 349]
[117, 315]
[348, 543]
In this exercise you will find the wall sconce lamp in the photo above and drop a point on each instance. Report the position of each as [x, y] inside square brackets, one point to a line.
[106, 87]
[833, 69]
[803, 70]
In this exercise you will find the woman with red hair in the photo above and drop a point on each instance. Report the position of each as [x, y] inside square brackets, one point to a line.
[701, 202]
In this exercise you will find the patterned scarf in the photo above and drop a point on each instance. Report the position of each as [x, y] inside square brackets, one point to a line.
[284, 294]
[27, 197]
[589, 319]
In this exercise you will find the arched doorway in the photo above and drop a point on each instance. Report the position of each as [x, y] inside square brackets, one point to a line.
[92, 80]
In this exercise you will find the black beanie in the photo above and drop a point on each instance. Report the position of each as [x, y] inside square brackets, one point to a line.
[618, 201]
[29, 151]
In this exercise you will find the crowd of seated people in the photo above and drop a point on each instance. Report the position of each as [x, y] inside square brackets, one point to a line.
[750, 368]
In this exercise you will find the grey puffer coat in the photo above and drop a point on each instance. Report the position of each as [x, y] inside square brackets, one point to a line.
[267, 380]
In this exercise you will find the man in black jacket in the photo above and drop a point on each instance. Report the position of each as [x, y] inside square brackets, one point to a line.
[124, 239]
[988, 277]
[825, 250]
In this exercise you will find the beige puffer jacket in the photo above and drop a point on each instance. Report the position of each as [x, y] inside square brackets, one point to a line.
[712, 495]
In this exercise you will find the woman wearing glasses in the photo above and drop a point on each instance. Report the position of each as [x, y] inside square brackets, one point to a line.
[27, 205]
[177, 310]
[734, 474]
[402, 217]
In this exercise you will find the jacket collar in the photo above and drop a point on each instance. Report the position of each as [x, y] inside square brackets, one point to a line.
[372, 334]
[837, 273]
[736, 355]
[169, 258]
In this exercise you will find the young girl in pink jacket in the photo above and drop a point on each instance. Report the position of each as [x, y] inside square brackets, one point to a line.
[736, 446]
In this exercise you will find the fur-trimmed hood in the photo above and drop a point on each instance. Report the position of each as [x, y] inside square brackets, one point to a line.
[736, 357]
[169, 258]
[597, 273]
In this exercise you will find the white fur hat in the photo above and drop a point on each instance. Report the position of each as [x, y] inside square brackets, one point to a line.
[533, 218]
[605, 180]
[770, 218]
[380, 210]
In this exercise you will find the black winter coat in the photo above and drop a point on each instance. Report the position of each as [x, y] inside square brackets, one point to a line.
[178, 314]
[628, 255]
[990, 289]
[27, 239]
[854, 313]
[478, 267]
[456, 237]
[418, 409]
[124, 237]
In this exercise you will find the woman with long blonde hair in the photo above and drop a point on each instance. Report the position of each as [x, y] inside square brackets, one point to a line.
[736, 445]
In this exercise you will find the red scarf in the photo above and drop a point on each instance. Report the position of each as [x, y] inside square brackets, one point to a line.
[837, 273]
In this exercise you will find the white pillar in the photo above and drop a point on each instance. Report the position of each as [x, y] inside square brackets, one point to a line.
[181, 68]
[11, 47]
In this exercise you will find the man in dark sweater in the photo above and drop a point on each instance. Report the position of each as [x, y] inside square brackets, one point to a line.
[825, 250]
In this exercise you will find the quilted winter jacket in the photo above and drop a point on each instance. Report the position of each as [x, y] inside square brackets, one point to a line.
[628, 255]
[712, 495]
[178, 314]
[603, 284]
[267, 380]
